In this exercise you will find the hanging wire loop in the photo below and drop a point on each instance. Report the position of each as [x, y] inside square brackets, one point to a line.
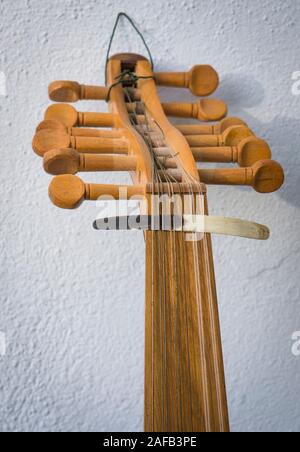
[122, 14]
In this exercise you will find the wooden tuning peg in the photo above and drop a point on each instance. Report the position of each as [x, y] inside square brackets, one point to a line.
[45, 140]
[203, 110]
[70, 117]
[265, 176]
[68, 191]
[245, 153]
[231, 137]
[69, 161]
[210, 129]
[201, 80]
[78, 131]
[69, 91]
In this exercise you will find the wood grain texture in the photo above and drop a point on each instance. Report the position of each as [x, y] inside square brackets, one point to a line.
[69, 161]
[184, 376]
[210, 129]
[184, 387]
[69, 91]
[203, 110]
[201, 80]
[246, 153]
[47, 139]
[70, 117]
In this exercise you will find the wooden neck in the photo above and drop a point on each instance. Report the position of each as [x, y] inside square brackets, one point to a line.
[184, 375]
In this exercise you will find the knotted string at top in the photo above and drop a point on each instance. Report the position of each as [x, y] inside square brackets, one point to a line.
[126, 76]
[113, 35]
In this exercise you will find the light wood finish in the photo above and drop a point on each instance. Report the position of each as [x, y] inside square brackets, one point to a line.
[46, 140]
[201, 80]
[246, 153]
[210, 129]
[184, 374]
[163, 375]
[230, 137]
[78, 131]
[203, 110]
[69, 91]
[117, 106]
[184, 378]
[172, 136]
[68, 191]
[68, 161]
[70, 117]
[265, 176]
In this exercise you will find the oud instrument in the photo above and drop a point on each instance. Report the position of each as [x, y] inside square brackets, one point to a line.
[184, 373]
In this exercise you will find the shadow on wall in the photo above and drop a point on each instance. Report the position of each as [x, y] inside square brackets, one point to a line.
[282, 133]
[242, 92]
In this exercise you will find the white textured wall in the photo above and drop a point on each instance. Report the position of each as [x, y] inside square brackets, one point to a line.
[72, 298]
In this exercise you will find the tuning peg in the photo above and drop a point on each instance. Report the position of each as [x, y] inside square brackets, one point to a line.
[246, 153]
[208, 129]
[69, 91]
[203, 110]
[70, 117]
[231, 137]
[265, 176]
[202, 80]
[68, 191]
[69, 161]
[46, 140]
[78, 131]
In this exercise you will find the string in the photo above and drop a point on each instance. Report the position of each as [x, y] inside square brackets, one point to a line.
[128, 77]
[122, 14]
[158, 168]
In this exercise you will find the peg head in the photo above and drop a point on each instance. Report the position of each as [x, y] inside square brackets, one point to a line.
[61, 161]
[225, 123]
[67, 191]
[64, 91]
[252, 150]
[203, 80]
[51, 124]
[235, 134]
[268, 176]
[211, 109]
[48, 139]
[64, 113]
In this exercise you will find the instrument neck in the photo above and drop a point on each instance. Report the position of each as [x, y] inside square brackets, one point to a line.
[184, 378]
